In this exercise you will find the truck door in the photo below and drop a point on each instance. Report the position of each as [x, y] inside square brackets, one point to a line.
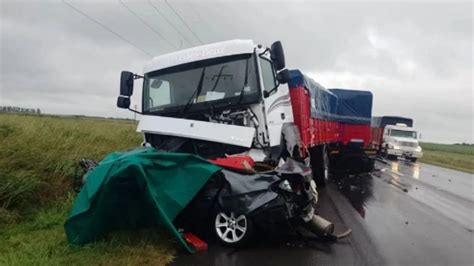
[277, 105]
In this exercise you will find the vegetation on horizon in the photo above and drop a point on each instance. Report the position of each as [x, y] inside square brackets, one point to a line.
[455, 156]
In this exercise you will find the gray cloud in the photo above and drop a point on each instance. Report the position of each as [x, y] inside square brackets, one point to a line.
[416, 58]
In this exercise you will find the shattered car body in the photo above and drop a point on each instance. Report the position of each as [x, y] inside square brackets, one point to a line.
[145, 186]
[186, 194]
[232, 204]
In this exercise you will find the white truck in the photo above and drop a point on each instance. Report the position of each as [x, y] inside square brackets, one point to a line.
[231, 98]
[395, 137]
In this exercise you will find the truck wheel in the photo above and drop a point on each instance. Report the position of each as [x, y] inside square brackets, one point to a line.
[232, 230]
[388, 156]
[385, 152]
[413, 160]
[320, 166]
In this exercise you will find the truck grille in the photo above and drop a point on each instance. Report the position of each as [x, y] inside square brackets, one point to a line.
[409, 144]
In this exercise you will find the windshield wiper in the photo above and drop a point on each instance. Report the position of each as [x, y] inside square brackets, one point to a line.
[246, 81]
[196, 92]
[225, 104]
[218, 77]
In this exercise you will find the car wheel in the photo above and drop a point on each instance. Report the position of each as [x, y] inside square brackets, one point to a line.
[231, 229]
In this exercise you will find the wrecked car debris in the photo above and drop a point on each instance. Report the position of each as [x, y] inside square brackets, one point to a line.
[237, 203]
[130, 186]
[143, 187]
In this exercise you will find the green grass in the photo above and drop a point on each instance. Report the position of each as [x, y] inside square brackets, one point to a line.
[41, 241]
[454, 156]
[38, 155]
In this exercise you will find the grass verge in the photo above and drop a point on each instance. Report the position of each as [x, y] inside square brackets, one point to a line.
[41, 241]
[38, 155]
[455, 156]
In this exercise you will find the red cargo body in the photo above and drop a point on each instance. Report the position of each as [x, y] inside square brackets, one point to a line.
[377, 134]
[313, 131]
[348, 132]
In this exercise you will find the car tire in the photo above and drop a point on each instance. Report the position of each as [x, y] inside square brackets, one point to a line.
[232, 230]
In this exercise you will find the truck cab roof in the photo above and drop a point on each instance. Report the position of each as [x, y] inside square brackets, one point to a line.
[382, 121]
[401, 127]
[199, 53]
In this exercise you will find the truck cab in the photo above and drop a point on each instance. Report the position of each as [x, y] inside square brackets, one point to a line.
[214, 100]
[401, 141]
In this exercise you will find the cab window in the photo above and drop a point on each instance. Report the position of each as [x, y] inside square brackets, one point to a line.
[268, 74]
[159, 94]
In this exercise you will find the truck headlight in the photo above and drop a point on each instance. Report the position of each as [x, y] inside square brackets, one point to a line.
[396, 147]
[418, 149]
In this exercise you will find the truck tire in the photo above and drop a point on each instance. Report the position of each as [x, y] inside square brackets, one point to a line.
[385, 152]
[388, 156]
[320, 165]
[413, 160]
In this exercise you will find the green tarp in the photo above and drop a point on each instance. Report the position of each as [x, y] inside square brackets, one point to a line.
[142, 187]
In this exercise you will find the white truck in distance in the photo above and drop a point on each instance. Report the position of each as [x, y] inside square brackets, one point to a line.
[402, 141]
[395, 137]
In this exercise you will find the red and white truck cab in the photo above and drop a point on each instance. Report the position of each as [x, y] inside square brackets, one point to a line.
[236, 98]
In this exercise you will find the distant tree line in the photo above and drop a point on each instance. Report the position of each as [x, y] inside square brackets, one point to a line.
[16, 109]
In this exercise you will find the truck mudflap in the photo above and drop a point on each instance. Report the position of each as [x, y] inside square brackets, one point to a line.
[351, 161]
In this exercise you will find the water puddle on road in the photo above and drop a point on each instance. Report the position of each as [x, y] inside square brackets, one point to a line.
[358, 189]
[393, 175]
[405, 168]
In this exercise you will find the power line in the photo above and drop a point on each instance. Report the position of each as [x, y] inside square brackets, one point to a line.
[106, 28]
[196, 11]
[184, 22]
[146, 24]
[170, 22]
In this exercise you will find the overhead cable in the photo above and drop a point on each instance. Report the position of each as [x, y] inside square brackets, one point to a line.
[170, 22]
[184, 22]
[148, 25]
[106, 28]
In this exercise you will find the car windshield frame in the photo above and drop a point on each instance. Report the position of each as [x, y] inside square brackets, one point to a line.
[404, 133]
[247, 98]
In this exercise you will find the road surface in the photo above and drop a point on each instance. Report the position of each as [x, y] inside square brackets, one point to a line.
[402, 213]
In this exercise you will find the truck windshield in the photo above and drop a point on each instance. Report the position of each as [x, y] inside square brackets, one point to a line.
[403, 133]
[231, 80]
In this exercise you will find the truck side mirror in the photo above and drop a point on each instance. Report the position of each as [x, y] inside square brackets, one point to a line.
[126, 83]
[277, 55]
[123, 102]
[283, 76]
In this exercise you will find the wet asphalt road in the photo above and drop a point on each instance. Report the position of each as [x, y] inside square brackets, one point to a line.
[404, 213]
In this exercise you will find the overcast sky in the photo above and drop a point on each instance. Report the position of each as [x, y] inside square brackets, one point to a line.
[417, 59]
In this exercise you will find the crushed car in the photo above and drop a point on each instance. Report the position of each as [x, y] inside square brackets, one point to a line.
[234, 203]
[184, 193]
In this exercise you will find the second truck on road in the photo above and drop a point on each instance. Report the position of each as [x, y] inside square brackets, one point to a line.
[395, 136]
